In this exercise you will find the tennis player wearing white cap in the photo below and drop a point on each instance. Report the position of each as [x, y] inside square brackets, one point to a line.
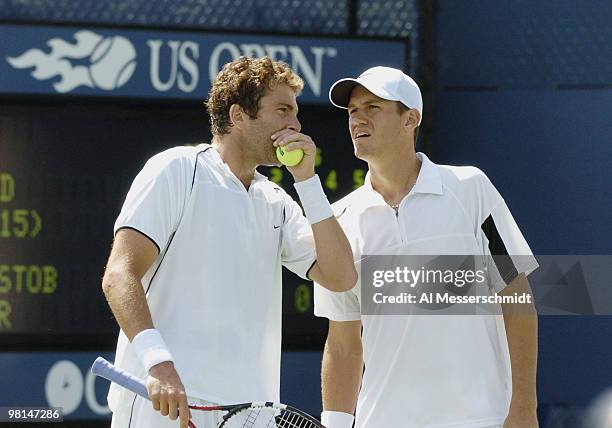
[194, 276]
[423, 371]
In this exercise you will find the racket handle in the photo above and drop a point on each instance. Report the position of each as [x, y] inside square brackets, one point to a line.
[103, 368]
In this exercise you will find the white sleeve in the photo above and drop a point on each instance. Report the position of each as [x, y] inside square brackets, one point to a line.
[336, 306]
[155, 200]
[507, 251]
[339, 306]
[298, 248]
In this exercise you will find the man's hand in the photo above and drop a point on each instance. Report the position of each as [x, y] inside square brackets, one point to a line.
[289, 140]
[167, 393]
[521, 418]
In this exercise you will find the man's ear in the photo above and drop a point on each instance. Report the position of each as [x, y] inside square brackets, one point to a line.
[237, 116]
[412, 118]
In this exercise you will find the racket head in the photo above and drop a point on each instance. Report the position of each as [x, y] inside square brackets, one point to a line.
[268, 415]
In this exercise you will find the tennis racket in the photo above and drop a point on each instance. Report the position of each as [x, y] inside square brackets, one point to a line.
[245, 415]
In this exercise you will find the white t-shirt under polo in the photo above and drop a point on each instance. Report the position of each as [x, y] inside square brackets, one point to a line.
[215, 289]
[431, 371]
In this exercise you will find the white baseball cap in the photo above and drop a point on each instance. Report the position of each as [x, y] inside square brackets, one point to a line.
[384, 82]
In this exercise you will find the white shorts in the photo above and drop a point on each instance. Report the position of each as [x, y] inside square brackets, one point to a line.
[141, 414]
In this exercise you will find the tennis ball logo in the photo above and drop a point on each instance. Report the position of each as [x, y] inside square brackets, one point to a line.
[113, 62]
[64, 386]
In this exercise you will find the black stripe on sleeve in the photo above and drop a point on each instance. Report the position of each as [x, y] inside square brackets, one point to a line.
[310, 268]
[143, 234]
[160, 262]
[498, 250]
[195, 166]
[195, 169]
[163, 255]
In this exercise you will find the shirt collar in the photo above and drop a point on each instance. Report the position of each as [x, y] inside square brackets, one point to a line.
[257, 176]
[428, 182]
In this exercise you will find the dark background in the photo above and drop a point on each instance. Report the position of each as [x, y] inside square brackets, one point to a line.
[74, 162]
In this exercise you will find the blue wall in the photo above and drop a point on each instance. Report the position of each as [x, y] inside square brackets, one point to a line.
[524, 91]
[548, 151]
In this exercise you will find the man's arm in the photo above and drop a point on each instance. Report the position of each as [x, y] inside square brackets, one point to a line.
[132, 255]
[341, 373]
[334, 268]
[130, 258]
[521, 322]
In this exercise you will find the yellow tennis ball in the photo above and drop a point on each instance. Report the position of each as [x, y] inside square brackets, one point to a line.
[289, 158]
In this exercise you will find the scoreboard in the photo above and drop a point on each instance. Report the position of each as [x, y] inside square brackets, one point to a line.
[65, 168]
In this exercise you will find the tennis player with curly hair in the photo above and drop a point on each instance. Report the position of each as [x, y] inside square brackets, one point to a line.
[194, 275]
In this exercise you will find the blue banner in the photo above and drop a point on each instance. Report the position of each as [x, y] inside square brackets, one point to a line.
[174, 65]
[63, 379]
[52, 379]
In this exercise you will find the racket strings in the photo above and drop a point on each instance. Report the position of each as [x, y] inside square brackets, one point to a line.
[251, 418]
[289, 419]
[267, 417]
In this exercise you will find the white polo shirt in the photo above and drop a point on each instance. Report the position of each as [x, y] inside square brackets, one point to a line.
[215, 289]
[431, 371]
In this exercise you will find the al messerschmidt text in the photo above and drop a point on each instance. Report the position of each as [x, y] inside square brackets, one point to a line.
[446, 298]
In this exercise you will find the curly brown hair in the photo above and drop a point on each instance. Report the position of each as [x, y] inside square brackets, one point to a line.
[244, 82]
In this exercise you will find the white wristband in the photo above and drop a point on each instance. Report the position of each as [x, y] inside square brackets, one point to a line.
[150, 348]
[331, 419]
[315, 203]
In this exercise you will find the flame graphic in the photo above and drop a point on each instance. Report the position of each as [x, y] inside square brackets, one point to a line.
[56, 63]
[111, 62]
